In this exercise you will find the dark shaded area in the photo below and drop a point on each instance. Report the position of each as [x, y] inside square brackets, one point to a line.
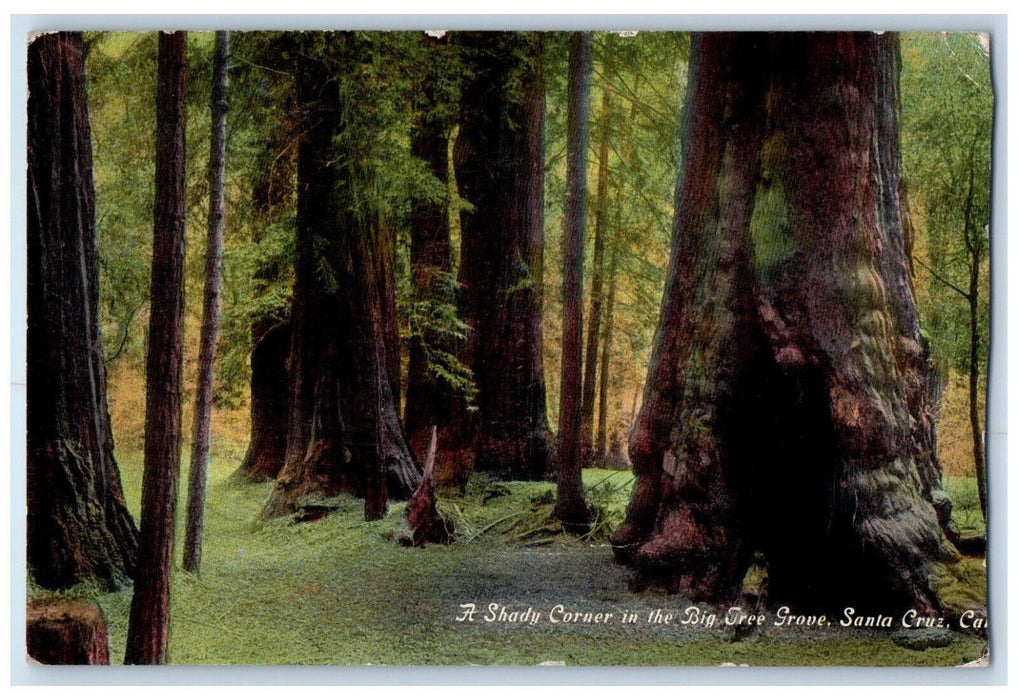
[499, 163]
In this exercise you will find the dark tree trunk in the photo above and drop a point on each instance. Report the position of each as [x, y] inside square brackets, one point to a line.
[267, 450]
[430, 399]
[601, 442]
[597, 274]
[785, 410]
[975, 424]
[66, 631]
[499, 161]
[343, 430]
[385, 276]
[272, 192]
[201, 431]
[147, 632]
[570, 506]
[78, 525]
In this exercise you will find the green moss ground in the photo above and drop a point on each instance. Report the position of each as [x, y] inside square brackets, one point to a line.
[342, 591]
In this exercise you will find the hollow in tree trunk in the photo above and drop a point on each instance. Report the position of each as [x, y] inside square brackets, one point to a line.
[267, 449]
[499, 163]
[786, 409]
[78, 525]
[147, 631]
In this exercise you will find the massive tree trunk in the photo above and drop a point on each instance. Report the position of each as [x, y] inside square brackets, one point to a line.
[570, 506]
[430, 399]
[786, 409]
[271, 193]
[343, 431]
[147, 632]
[78, 525]
[201, 432]
[499, 161]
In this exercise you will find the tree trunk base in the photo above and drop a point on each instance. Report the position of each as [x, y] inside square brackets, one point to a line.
[425, 525]
[66, 631]
[575, 517]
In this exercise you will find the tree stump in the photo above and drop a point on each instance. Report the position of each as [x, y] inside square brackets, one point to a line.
[66, 631]
[422, 520]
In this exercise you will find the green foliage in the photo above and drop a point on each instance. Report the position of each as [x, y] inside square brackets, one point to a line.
[121, 74]
[646, 76]
[947, 120]
[436, 324]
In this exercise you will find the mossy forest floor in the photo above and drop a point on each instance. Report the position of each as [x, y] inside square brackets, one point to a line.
[343, 591]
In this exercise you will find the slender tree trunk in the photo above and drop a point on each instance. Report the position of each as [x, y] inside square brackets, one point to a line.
[343, 431]
[601, 443]
[499, 163]
[972, 246]
[78, 525]
[597, 275]
[147, 632]
[201, 430]
[974, 422]
[571, 508]
[784, 410]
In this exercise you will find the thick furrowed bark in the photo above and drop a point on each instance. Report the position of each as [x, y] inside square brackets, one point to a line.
[78, 524]
[788, 406]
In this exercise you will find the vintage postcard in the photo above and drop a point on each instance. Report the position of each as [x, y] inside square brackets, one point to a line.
[461, 347]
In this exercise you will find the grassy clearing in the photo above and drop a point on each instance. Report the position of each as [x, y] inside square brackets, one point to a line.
[342, 591]
[965, 512]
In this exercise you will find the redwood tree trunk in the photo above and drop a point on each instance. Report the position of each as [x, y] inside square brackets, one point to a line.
[78, 525]
[201, 432]
[570, 506]
[429, 398]
[785, 411]
[147, 632]
[499, 161]
[343, 430]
